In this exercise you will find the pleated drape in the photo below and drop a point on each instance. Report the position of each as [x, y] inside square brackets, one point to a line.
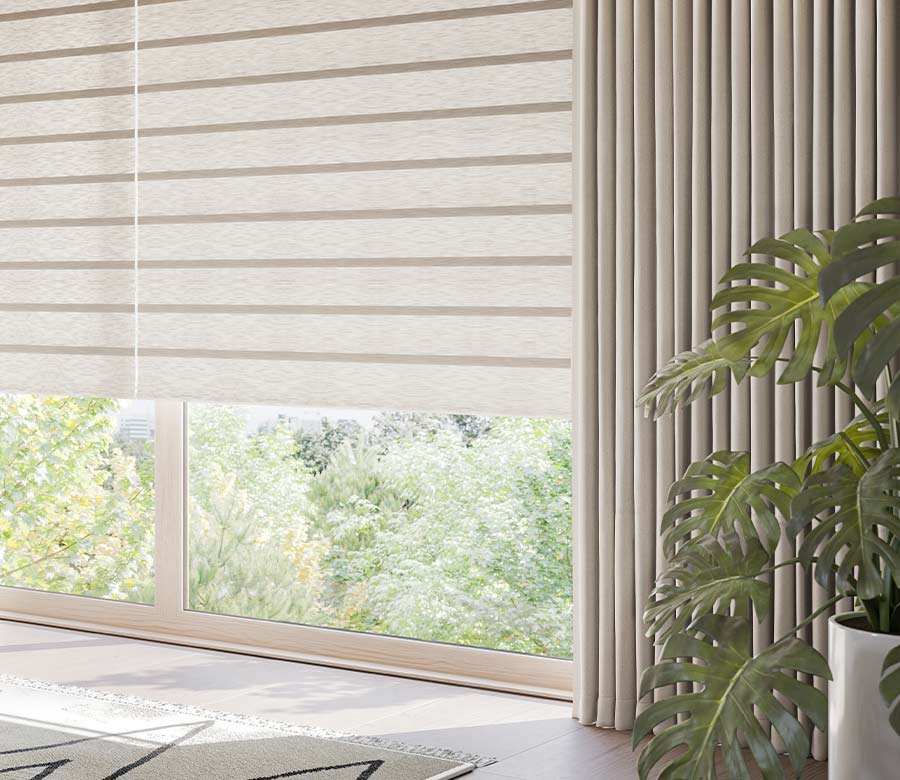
[700, 127]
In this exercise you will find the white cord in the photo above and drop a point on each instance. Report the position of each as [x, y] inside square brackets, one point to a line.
[136, 204]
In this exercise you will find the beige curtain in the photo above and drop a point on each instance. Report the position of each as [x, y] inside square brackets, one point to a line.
[700, 127]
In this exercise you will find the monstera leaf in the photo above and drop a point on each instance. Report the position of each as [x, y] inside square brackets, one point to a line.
[707, 576]
[856, 445]
[699, 373]
[730, 495]
[852, 510]
[781, 301]
[890, 686]
[733, 684]
[876, 312]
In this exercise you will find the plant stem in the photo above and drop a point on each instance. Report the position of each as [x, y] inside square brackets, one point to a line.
[789, 562]
[884, 605]
[863, 460]
[860, 404]
[867, 413]
[47, 557]
[810, 618]
[887, 605]
[895, 425]
[871, 607]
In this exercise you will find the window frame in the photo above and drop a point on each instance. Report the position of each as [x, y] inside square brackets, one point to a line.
[168, 620]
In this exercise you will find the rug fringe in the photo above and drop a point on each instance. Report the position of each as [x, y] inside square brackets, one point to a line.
[249, 720]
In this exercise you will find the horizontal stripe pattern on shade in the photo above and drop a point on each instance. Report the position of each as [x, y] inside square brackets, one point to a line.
[464, 236]
[427, 286]
[342, 204]
[317, 56]
[321, 384]
[419, 137]
[437, 337]
[459, 88]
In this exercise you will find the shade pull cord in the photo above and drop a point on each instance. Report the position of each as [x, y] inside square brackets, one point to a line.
[136, 200]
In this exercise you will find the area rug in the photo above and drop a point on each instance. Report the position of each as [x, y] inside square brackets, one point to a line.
[66, 733]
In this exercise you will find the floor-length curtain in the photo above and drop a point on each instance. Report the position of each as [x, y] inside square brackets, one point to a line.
[700, 127]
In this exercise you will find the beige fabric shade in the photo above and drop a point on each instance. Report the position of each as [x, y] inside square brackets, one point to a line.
[346, 203]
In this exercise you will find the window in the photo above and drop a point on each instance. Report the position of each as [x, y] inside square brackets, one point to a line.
[453, 528]
[76, 496]
[399, 237]
[431, 545]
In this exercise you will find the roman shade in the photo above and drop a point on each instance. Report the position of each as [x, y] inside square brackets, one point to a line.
[345, 203]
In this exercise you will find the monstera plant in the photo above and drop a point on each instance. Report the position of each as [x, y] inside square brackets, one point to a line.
[816, 314]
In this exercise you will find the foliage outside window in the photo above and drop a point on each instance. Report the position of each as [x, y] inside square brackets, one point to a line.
[76, 499]
[451, 528]
[446, 528]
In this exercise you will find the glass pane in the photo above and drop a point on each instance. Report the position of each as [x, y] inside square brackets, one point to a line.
[451, 528]
[76, 496]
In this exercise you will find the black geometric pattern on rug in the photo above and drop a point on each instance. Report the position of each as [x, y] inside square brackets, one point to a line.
[201, 726]
[371, 768]
[47, 768]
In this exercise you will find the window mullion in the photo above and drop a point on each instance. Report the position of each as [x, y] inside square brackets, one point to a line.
[170, 485]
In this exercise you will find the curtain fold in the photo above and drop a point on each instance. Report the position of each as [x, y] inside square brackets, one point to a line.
[700, 127]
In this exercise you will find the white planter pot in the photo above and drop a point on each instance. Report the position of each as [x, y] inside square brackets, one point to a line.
[861, 742]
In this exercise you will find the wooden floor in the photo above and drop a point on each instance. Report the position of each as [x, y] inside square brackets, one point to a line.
[533, 739]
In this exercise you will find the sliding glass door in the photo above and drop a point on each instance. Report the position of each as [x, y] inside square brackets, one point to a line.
[428, 545]
[450, 528]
